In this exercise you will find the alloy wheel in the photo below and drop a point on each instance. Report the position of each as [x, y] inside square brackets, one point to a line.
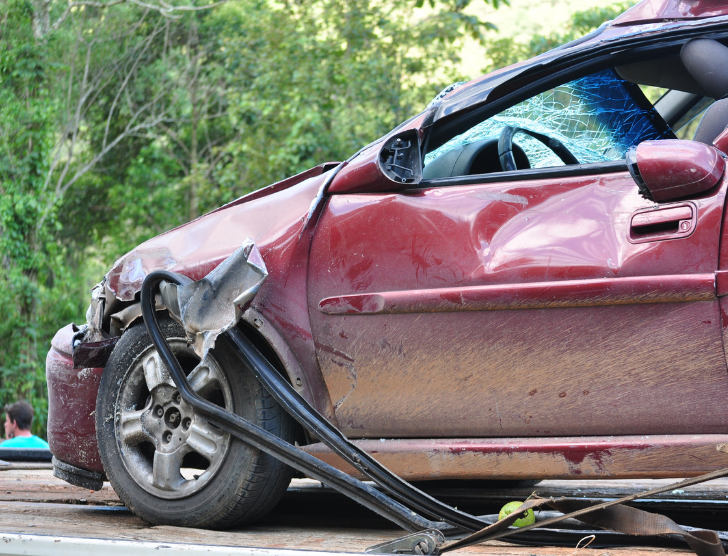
[169, 449]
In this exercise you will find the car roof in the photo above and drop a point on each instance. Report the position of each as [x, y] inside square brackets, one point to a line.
[649, 11]
[646, 19]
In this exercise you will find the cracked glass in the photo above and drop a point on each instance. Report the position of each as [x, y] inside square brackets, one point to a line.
[597, 117]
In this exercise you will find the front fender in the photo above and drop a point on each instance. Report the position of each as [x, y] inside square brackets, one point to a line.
[277, 223]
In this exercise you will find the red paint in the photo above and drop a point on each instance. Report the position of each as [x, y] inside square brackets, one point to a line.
[276, 223]
[544, 295]
[672, 169]
[394, 255]
[660, 10]
[281, 185]
[71, 405]
[721, 142]
[364, 169]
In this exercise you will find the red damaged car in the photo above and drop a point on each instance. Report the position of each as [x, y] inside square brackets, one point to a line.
[526, 280]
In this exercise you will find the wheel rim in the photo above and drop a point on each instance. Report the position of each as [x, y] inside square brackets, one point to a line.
[167, 447]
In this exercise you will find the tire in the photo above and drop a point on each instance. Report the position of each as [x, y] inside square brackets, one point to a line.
[166, 463]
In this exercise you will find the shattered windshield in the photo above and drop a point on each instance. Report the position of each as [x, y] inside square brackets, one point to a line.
[597, 117]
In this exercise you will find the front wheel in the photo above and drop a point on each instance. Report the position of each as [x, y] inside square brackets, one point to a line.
[165, 461]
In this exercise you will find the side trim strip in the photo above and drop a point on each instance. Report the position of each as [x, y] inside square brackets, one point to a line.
[538, 295]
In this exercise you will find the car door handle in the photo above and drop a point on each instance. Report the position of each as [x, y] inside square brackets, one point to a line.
[662, 223]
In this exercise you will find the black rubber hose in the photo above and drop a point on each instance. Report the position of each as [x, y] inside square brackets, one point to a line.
[312, 420]
[259, 438]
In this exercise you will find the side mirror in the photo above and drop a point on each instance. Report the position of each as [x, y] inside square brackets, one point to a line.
[400, 160]
[392, 165]
[672, 169]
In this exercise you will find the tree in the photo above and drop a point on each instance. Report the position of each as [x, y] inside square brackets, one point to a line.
[26, 134]
[123, 118]
[504, 51]
[56, 76]
[260, 97]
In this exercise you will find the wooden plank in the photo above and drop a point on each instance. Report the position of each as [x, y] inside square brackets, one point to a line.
[310, 517]
[67, 521]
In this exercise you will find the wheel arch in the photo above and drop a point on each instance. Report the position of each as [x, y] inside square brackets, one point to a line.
[256, 328]
[264, 337]
[273, 345]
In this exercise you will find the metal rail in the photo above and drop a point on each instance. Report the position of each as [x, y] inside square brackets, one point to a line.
[259, 438]
[316, 424]
[398, 498]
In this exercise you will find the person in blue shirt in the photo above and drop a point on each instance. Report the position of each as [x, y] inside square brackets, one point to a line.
[18, 419]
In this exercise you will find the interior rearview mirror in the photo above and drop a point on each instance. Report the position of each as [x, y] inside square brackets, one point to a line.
[672, 169]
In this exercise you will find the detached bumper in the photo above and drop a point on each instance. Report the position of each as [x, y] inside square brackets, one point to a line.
[71, 406]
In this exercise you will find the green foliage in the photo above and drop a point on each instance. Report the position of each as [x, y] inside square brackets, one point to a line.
[504, 51]
[452, 13]
[30, 283]
[117, 124]
[255, 96]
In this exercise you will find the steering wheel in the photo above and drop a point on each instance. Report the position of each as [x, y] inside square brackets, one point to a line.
[505, 147]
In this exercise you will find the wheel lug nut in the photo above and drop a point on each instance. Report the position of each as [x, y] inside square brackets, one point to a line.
[167, 437]
[160, 411]
[176, 397]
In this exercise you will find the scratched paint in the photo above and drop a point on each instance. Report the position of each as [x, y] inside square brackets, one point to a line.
[540, 295]
[599, 368]
[71, 406]
[275, 223]
[536, 458]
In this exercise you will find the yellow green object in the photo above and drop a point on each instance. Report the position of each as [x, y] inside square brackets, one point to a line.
[527, 517]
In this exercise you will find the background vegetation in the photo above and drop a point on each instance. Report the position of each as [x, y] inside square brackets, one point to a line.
[122, 119]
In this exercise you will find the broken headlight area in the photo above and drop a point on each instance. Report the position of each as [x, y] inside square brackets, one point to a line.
[206, 308]
[92, 346]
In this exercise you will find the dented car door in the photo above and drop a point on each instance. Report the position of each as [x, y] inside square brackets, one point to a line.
[554, 302]
[517, 310]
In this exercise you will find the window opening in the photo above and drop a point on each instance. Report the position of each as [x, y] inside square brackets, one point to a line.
[597, 117]
[688, 124]
[653, 94]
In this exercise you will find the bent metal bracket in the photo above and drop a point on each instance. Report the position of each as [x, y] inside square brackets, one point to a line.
[209, 310]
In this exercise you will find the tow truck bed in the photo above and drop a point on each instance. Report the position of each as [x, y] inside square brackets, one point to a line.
[40, 514]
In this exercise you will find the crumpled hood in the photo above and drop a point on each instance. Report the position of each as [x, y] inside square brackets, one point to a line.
[196, 248]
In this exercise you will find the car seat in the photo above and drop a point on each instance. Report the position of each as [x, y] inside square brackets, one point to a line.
[707, 62]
